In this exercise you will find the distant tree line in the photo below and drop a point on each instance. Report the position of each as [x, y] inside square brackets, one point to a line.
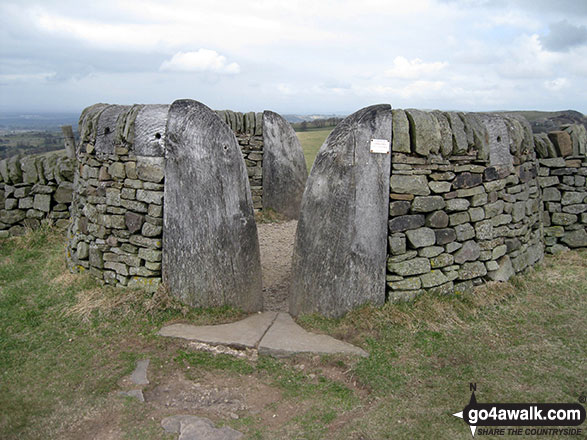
[316, 123]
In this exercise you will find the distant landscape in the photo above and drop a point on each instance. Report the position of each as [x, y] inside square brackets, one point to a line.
[31, 133]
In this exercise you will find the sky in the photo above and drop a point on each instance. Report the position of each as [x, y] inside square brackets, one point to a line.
[304, 57]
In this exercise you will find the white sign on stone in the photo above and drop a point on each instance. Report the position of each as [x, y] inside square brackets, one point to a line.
[379, 146]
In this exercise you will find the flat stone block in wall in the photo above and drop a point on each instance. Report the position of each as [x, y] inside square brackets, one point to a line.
[427, 204]
[401, 132]
[406, 222]
[576, 239]
[411, 267]
[332, 280]
[562, 142]
[151, 169]
[425, 134]
[416, 185]
[472, 270]
[421, 237]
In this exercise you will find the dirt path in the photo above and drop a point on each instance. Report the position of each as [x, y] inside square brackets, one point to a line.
[276, 241]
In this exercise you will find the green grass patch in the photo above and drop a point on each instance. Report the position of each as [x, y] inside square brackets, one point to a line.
[66, 342]
[311, 141]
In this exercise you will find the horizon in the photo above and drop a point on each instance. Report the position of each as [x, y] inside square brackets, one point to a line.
[295, 58]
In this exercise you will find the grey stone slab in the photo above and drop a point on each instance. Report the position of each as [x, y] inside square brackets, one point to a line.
[106, 129]
[339, 256]
[139, 375]
[149, 130]
[401, 132]
[210, 245]
[286, 338]
[244, 333]
[499, 140]
[198, 428]
[284, 167]
[425, 134]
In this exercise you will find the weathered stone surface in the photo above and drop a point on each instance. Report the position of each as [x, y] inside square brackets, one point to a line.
[562, 218]
[562, 142]
[401, 132]
[467, 180]
[551, 194]
[469, 252]
[245, 333]
[42, 202]
[499, 139]
[446, 141]
[433, 278]
[411, 267]
[106, 128]
[441, 260]
[439, 186]
[412, 283]
[504, 272]
[198, 428]
[400, 207]
[358, 191]
[573, 197]
[134, 222]
[427, 204]
[472, 270]
[438, 219]
[152, 169]
[575, 239]
[459, 137]
[286, 338]
[477, 135]
[424, 132]
[405, 184]
[214, 261]
[148, 130]
[444, 236]
[284, 167]
[457, 205]
[421, 237]
[397, 244]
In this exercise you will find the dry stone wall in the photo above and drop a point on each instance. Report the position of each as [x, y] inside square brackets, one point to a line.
[117, 211]
[562, 178]
[465, 202]
[35, 189]
[248, 129]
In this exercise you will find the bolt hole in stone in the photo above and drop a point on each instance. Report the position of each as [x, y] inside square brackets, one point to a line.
[225, 147]
[106, 131]
[499, 139]
[157, 135]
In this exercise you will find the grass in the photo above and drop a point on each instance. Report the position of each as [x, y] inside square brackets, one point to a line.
[66, 344]
[311, 140]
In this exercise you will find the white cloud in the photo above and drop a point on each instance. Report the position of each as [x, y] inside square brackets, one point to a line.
[413, 69]
[557, 84]
[26, 77]
[204, 60]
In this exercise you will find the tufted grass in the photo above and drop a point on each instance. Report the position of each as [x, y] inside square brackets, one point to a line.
[66, 343]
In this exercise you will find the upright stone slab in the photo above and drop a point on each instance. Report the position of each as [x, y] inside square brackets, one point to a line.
[340, 250]
[284, 167]
[106, 132]
[499, 140]
[210, 245]
[149, 130]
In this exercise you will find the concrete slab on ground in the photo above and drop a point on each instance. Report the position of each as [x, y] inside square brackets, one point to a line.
[272, 333]
[286, 338]
[241, 334]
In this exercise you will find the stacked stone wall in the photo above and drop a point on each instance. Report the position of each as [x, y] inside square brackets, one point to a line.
[465, 203]
[562, 178]
[35, 189]
[248, 129]
[117, 212]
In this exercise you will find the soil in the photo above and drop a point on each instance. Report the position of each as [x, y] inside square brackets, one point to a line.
[276, 241]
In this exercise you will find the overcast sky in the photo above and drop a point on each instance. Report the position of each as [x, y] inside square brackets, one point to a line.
[316, 56]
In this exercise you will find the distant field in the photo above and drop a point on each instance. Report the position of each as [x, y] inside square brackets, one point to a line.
[30, 142]
[311, 141]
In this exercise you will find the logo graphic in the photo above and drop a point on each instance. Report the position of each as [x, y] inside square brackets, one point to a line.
[522, 414]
